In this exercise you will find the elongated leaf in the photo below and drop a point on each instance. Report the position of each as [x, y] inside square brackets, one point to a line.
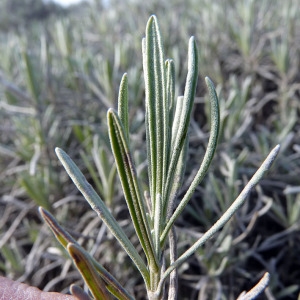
[184, 121]
[150, 130]
[257, 289]
[178, 179]
[156, 106]
[226, 216]
[133, 196]
[170, 70]
[99, 207]
[157, 224]
[157, 77]
[65, 238]
[168, 104]
[88, 272]
[178, 108]
[123, 104]
[211, 147]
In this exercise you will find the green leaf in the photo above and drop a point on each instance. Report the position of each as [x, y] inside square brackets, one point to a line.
[211, 147]
[130, 185]
[157, 224]
[99, 207]
[178, 179]
[170, 71]
[88, 272]
[156, 106]
[65, 238]
[123, 104]
[182, 117]
[258, 289]
[226, 216]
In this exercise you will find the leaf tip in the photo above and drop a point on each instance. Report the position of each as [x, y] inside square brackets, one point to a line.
[110, 113]
[153, 18]
[58, 151]
[150, 21]
[273, 154]
[277, 148]
[41, 210]
[209, 81]
[192, 39]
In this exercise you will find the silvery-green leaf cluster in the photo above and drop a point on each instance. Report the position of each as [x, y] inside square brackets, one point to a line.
[153, 212]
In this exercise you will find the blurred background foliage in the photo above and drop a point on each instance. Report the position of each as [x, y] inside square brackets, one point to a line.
[60, 70]
[16, 13]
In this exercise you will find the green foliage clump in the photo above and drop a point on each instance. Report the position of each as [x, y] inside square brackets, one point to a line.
[57, 81]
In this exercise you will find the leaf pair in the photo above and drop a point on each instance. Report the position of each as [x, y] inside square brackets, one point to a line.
[100, 282]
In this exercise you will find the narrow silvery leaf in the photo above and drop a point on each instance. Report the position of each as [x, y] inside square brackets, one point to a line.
[156, 105]
[123, 104]
[157, 224]
[99, 207]
[178, 108]
[65, 238]
[88, 272]
[178, 179]
[161, 106]
[170, 66]
[173, 285]
[211, 147]
[156, 99]
[150, 118]
[150, 127]
[168, 116]
[257, 289]
[227, 215]
[130, 185]
[184, 121]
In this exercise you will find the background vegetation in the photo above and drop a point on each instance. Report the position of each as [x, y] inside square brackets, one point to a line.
[58, 76]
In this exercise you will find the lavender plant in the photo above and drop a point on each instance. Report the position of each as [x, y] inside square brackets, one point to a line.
[153, 212]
